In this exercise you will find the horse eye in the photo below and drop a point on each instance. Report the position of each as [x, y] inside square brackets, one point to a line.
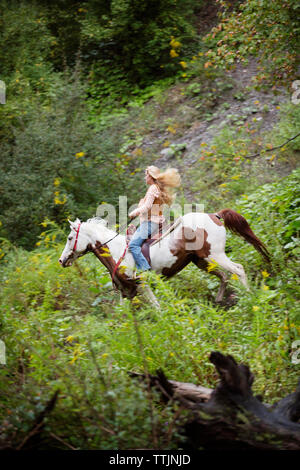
[70, 238]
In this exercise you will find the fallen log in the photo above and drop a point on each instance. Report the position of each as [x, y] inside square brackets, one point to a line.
[187, 392]
[231, 417]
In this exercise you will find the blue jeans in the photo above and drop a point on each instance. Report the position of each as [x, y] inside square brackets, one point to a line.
[142, 233]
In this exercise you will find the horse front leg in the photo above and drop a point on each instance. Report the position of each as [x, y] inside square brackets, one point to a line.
[202, 264]
[148, 294]
[223, 278]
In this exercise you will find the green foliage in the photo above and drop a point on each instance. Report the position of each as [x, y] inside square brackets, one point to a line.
[49, 170]
[25, 44]
[135, 35]
[278, 203]
[266, 29]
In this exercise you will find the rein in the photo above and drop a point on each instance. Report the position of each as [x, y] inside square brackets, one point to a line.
[118, 233]
[105, 243]
[121, 258]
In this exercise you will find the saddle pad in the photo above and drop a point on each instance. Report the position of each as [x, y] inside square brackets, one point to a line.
[148, 242]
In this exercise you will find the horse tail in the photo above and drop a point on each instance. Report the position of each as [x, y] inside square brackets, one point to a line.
[236, 223]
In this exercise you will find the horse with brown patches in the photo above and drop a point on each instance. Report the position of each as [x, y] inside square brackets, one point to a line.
[196, 237]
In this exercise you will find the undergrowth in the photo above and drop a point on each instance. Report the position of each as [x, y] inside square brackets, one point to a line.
[65, 329]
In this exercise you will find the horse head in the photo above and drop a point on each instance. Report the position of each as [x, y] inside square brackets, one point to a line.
[80, 240]
[78, 244]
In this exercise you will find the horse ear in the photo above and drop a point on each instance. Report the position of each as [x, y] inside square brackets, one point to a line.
[72, 224]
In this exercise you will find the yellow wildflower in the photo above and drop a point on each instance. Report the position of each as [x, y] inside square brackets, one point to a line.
[211, 265]
[173, 53]
[255, 308]
[174, 44]
[56, 182]
[171, 130]
[265, 287]
[265, 274]
[235, 277]
[104, 355]
[80, 154]
[69, 339]
[57, 201]
[183, 64]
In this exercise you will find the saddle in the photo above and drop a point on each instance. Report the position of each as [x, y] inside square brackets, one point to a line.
[148, 242]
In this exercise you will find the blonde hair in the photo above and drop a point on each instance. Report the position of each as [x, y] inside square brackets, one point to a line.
[166, 181]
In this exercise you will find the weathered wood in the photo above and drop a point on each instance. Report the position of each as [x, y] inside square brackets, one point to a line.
[187, 391]
[231, 417]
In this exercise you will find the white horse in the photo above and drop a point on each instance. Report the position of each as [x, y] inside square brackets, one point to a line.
[196, 237]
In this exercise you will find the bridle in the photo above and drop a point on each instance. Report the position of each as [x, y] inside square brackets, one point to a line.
[102, 244]
[76, 239]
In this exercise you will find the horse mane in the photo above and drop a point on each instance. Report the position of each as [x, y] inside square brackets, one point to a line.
[96, 220]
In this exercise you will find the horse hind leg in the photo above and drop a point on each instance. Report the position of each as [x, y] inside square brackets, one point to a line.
[202, 264]
[234, 268]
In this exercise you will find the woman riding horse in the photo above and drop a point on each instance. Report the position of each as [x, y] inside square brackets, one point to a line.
[150, 209]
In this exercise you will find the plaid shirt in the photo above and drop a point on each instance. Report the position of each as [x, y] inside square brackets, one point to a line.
[150, 207]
